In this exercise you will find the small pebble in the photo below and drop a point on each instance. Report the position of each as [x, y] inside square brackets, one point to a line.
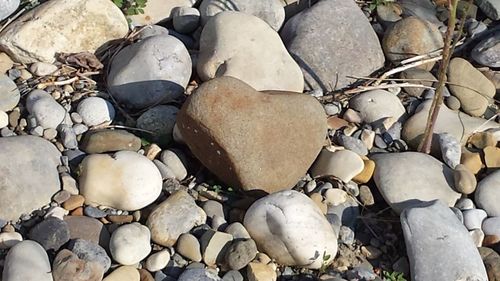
[76, 118]
[473, 219]
[50, 133]
[37, 131]
[332, 108]
[352, 116]
[346, 235]
[464, 204]
[94, 212]
[464, 180]
[73, 202]
[453, 103]
[158, 261]
[366, 196]
[61, 196]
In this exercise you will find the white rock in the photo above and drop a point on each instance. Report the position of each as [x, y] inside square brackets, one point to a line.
[451, 149]
[174, 161]
[27, 261]
[46, 110]
[95, 111]
[491, 226]
[42, 68]
[9, 239]
[335, 196]
[129, 182]
[473, 219]
[7, 7]
[56, 212]
[128, 273]
[375, 105]
[4, 119]
[487, 194]
[289, 227]
[130, 243]
[343, 164]
[63, 26]
[158, 261]
[245, 47]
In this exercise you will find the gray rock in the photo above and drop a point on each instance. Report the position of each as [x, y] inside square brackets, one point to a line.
[27, 261]
[94, 212]
[487, 52]
[68, 137]
[240, 253]
[488, 194]
[407, 178]
[51, 233]
[417, 73]
[7, 7]
[376, 105]
[233, 275]
[434, 237]
[326, 61]
[490, 7]
[46, 110]
[9, 93]
[451, 150]
[89, 251]
[23, 194]
[458, 213]
[423, 9]
[153, 71]
[464, 204]
[198, 274]
[491, 226]
[152, 30]
[453, 103]
[353, 144]
[96, 111]
[473, 219]
[346, 235]
[347, 212]
[160, 120]
[185, 19]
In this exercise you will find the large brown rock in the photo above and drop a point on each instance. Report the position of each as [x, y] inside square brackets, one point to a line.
[249, 139]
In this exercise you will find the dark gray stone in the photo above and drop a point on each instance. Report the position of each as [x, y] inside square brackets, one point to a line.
[423, 9]
[233, 275]
[51, 233]
[240, 253]
[490, 7]
[93, 212]
[487, 52]
[91, 252]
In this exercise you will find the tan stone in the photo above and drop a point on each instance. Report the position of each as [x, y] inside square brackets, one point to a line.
[128, 273]
[249, 139]
[492, 157]
[260, 272]
[318, 200]
[481, 140]
[465, 181]
[471, 160]
[73, 202]
[343, 164]
[336, 123]
[66, 26]
[5, 63]
[367, 172]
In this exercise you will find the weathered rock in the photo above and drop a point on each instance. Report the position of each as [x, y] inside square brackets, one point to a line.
[90, 252]
[408, 178]
[290, 228]
[130, 243]
[470, 86]
[409, 37]
[23, 194]
[451, 149]
[492, 157]
[245, 47]
[7, 7]
[161, 121]
[241, 253]
[152, 71]
[101, 141]
[46, 110]
[185, 19]
[199, 274]
[130, 181]
[55, 27]
[250, 159]
[343, 164]
[490, 7]
[51, 233]
[173, 217]
[9, 93]
[417, 73]
[491, 260]
[434, 236]
[460, 125]
[175, 160]
[261, 272]
[375, 105]
[158, 10]
[488, 194]
[272, 12]
[27, 261]
[325, 60]
[68, 267]
[487, 52]
[214, 245]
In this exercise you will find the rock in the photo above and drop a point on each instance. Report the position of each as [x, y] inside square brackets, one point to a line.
[123, 273]
[477, 236]
[237, 230]
[491, 226]
[423, 9]
[27, 261]
[451, 150]
[90, 252]
[130, 182]
[249, 159]
[460, 125]
[55, 27]
[335, 196]
[4, 119]
[96, 111]
[409, 37]
[490, 7]
[487, 51]
[47, 111]
[213, 208]
[152, 71]
[473, 219]
[290, 228]
[9, 239]
[129, 244]
[9, 93]
[366, 196]
[432, 236]
[5, 64]
[161, 121]
[173, 217]
[272, 12]
[388, 13]
[51, 233]
[324, 60]
[453, 103]
[7, 7]
[488, 193]
[189, 247]
[343, 164]
[367, 173]
[73, 202]
[260, 272]
[214, 245]
[88, 229]
[42, 69]
[240, 253]
[481, 140]
[105, 140]
[67, 266]
[375, 105]
[185, 19]
[158, 10]
[40, 158]
[174, 160]
[470, 86]
[230, 40]
[232, 275]
[353, 144]
[464, 180]
[407, 178]
[158, 261]
[471, 160]
[492, 157]
[199, 274]
[464, 204]
[491, 260]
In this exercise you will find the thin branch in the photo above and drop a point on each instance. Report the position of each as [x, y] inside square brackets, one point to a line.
[386, 86]
[403, 68]
[57, 83]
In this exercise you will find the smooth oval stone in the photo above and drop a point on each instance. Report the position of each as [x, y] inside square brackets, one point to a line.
[129, 182]
[96, 111]
[343, 164]
[231, 129]
[487, 194]
[105, 140]
[289, 227]
[9, 93]
[185, 19]
[160, 120]
[23, 194]
[46, 110]
[487, 52]
[158, 261]
[27, 261]
[464, 179]
[375, 105]
[434, 236]
[130, 243]
[491, 226]
[408, 178]
[473, 219]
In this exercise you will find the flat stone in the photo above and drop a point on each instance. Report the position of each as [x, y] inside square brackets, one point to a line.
[130, 182]
[23, 256]
[289, 227]
[40, 158]
[91, 252]
[158, 261]
[188, 246]
[51, 233]
[176, 162]
[173, 217]
[376, 105]
[88, 229]
[9, 93]
[343, 164]
[237, 230]
[105, 140]
[55, 27]
[367, 173]
[260, 272]
[73, 202]
[122, 273]
[492, 157]
[488, 193]
[481, 140]
[433, 235]
[325, 61]
[408, 178]
[130, 243]
[464, 180]
[487, 51]
[214, 245]
[230, 40]
[251, 158]
[67, 266]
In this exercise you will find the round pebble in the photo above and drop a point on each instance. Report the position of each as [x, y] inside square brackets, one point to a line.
[158, 261]
[95, 111]
[130, 243]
